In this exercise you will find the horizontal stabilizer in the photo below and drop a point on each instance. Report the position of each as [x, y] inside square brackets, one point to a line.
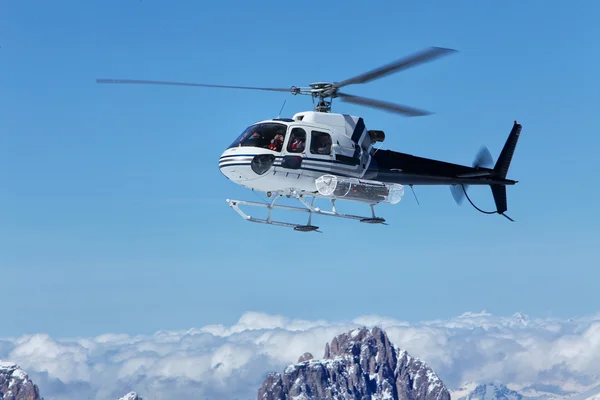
[477, 174]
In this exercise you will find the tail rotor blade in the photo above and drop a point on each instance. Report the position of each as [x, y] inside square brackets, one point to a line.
[458, 193]
[483, 158]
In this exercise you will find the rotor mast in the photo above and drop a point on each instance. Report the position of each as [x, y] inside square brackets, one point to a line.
[321, 91]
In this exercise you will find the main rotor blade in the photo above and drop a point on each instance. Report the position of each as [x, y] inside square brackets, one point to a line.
[397, 108]
[191, 84]
[403, 63]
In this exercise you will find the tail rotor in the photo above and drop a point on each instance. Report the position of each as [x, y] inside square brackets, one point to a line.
[484, 159]
[496, 174]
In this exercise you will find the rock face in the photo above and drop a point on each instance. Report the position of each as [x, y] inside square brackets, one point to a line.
[305, 357]
[15, 384]
[359, 365]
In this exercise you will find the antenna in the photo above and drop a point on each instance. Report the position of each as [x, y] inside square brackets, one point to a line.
[414, 194]
[278, 116]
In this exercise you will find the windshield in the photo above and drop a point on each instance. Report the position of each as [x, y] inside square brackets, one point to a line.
[268, 135]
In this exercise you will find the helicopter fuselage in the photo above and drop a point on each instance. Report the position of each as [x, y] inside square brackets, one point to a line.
[313, 144]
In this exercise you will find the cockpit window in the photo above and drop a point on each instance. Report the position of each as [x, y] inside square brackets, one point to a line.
[268, 135]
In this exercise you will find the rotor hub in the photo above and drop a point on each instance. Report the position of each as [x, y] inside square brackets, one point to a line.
[321, 85]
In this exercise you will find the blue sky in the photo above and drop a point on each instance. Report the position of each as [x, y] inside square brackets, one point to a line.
[113, 214]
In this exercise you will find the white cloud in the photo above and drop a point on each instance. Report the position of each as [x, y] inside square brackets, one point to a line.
[230, 361]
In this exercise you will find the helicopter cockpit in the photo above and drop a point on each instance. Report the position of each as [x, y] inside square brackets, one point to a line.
[267, 135]
[271, 135]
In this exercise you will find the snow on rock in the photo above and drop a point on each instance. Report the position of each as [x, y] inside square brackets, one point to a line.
[360, 364]
[15, 384]
[491, 391]
[131, 396]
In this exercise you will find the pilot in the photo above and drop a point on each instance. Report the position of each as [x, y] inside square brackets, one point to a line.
[254, 140]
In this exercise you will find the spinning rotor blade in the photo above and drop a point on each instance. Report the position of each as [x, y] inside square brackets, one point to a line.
[191, 84]
[327, 89]
[482, 159]
[403, 63]
[400, 109]
[458, 194]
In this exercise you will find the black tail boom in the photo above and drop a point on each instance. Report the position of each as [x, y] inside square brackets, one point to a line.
[394, 167]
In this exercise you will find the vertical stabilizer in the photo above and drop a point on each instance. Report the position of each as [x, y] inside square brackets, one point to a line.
[503, 163]
[501, 169]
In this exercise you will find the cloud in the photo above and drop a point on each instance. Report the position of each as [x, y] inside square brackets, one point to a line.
[230, 362]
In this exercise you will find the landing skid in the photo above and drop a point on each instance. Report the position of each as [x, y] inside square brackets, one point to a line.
[308, 208]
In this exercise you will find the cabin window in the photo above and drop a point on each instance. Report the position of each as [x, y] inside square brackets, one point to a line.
[269, 135]
[320, 143]
[297, 141]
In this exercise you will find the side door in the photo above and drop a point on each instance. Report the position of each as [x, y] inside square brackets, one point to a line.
[295, 148]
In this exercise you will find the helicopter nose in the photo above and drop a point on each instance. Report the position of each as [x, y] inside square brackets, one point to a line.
[239, 168]
[233, 167]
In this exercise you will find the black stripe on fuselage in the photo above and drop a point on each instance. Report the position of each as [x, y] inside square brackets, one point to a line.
[358, 130]
[349, 162]
[285, 170]
[222, 158]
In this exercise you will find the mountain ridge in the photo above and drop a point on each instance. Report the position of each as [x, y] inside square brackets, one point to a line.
[359, 364]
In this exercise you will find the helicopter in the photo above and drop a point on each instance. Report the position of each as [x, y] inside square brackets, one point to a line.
[321, 154]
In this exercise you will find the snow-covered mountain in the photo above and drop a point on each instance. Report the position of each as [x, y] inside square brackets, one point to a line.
[499, 391]
[131, 396]
[15, 384]
[487, 391]
[358, 364]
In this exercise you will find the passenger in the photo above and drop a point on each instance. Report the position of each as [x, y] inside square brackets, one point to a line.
[324, 145]
[297, 145]
[277, 143]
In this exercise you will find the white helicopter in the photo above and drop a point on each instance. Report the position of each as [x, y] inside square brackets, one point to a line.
[320, 154]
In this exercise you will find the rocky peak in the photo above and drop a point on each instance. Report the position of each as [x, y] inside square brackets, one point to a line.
[131, 396]
[360, 364]
[15, 384]
[305, 357]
